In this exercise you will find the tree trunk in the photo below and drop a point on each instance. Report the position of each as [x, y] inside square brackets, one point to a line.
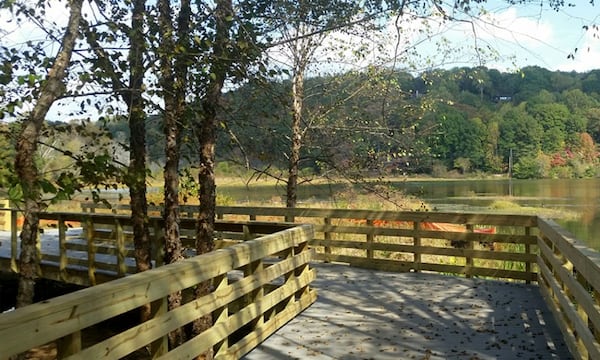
[24, 160]
[173, 81]
[207, 139]
[294, 160]
[136, 179]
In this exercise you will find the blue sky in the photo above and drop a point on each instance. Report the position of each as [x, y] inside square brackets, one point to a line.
[512, 36]
[522, 35]
[539, 35]
[530, 34]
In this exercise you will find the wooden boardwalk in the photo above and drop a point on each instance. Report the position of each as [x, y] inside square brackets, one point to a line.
[366, 314]
[435, 313]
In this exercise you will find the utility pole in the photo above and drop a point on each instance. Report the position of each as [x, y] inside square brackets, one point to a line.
[510, 165]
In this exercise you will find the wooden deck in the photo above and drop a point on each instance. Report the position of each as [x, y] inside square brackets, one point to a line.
[367, 314]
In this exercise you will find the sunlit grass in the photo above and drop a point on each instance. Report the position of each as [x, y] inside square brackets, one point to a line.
[503, 206]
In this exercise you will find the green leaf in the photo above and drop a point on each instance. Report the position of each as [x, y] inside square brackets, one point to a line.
[47, 186]
[15, 193]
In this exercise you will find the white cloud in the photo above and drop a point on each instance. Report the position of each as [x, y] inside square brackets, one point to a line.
[510, 27]
[585, 58]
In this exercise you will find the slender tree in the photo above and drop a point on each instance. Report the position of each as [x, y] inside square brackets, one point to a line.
[206, 137]
[173, 54]
[136, 176]
[113, 74]
[25, 167]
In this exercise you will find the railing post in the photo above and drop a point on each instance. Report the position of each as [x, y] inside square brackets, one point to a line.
[370, 239]
[416, 246]
[221, 315]
[255, 296]
[121, 249]
[13, 241]
[301, 269]
[528, 267]
[62, 244]
[247, 234]
[160, 346]
[327, 238]
[469, 263]
[289, 277]
[91, 250]
[68, 345]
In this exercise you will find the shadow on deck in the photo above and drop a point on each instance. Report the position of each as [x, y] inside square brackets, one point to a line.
[366, 314]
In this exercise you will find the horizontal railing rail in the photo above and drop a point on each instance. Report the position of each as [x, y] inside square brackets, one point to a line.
[259, 285]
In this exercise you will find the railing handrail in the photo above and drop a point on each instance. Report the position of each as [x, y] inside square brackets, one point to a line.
[390, 215]
[66, 315]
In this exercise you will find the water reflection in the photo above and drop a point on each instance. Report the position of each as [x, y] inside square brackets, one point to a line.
[577, 195]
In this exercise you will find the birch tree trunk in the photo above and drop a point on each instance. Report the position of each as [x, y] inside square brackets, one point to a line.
[296, 146]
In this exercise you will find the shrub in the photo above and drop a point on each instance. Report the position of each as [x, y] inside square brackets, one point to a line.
[528, 167]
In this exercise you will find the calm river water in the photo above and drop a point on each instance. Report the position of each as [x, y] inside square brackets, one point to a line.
[581, 196]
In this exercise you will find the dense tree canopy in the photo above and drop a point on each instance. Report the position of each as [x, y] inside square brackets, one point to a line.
[473, 114]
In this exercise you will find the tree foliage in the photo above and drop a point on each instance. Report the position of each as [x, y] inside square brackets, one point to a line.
[448, 117]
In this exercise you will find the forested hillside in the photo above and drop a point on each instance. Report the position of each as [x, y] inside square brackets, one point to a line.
[466, 119]
[445, 122]
[442, 123]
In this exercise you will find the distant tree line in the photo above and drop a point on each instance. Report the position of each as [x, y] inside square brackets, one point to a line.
[441, 123]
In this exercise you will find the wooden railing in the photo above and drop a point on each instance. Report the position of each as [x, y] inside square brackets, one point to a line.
[102, 246]
[514, 247]
[259, 285]
[490, 245]
[569, 279]
[499, 246]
